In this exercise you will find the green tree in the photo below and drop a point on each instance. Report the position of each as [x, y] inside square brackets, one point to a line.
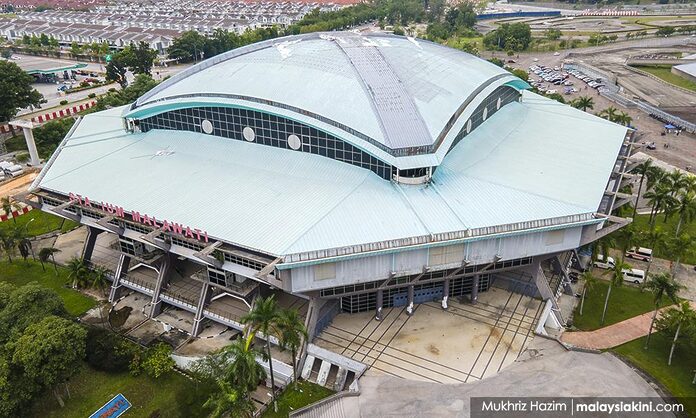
[49, 352]
[99, 277]
[679, 247]
[79, 272]
[187, 47]
[685, 209]
[552, 34]
[583, 102]
[27, 305]
[46, 253]
[116, 71]
[263, 318]
[158, 360]
[16, 91]
[75, 49]
[7, 207]
[228, 401]
[657, 240]
[291, 331]
[661, 285]
[673, 320]
[138, 58]
[509, 36]
[609, 113]
[615, 279]
[8, 242]
[590, 283]
[643, 169]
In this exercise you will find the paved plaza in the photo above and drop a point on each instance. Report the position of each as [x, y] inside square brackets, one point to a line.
[463, 344]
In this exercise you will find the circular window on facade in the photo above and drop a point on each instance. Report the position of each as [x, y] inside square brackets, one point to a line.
[248, 134]
[485, 113]
[468, 126]
[497, 105]
[294, 142]
[207, 126]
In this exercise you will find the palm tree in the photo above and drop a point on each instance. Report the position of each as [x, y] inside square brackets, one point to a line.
[590, 282]
[7, 207]
[660, 285]
[228, 401]
[680, 315]
[78, 271]
[8, 242]
[583, 102]
[643, 169]
[99, 277]
[660, 198]
[623, 118]
[263, 318]
[243, 371]
[685, 208]
[677, 181]
[292, 331]
[616, 279]
[609, 113]
[680, 247]
[45, 254]
[656, 240]
[624, 239]
[655, 174]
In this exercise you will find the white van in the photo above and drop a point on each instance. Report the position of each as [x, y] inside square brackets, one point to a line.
[633, 275]
[610, 263]
[640, 253]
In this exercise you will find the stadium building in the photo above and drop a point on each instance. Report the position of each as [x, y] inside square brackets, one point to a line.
[341, 172]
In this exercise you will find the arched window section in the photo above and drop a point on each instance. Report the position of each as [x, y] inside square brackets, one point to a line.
[263, 128]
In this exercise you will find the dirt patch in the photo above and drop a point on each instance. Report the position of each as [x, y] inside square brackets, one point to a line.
[119, 317]
[433, 349]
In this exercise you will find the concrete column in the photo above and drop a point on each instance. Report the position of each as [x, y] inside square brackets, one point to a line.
[474, 289]
[162, 280]
[445, 293]
[380, 304]
[31, 146]
[116, 287]
[409, 308]
[91, 240]
[203, 300]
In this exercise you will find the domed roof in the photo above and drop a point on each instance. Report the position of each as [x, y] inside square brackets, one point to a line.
[396, 91]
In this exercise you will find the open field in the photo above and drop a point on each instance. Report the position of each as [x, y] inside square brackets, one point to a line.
[21, 273]
[664, 72]
[304, 394]
[675, 378]
[172, 395]
[39, 223]
[625, 302]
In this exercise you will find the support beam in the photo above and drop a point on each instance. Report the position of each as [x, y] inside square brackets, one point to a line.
[27, 127]
[153, 238]
[566, 279]
[24, 197]
[475, 289]
[60, 210]
[203, 300]
[162, 281]
[116, 287]
[409, 308]
[104, 222]
[445, 293]
[379, 304]
[205, 255]
[91, 240]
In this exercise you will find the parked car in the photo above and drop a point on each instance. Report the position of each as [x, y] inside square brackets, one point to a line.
[633, 275]
[640, 253]
[610, 263]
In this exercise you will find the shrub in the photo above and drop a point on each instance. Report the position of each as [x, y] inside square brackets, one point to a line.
[63, 102]
[92, 95]
[108, 352]
[22, 157]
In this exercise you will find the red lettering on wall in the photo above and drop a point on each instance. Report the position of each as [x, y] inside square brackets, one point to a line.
[136, 216]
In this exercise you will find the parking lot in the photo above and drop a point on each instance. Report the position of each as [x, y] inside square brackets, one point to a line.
[463, 344]
[545, 78]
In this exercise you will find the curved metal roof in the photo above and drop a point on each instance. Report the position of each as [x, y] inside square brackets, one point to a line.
[394, 91]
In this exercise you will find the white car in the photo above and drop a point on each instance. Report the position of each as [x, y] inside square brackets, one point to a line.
[555, 54]
[640, 253]
[610, 263]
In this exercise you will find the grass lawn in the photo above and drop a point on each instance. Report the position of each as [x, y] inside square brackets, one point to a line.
[20, 273]
[641, 223]
[664, 72]
[38, 223]
[625, 302]
[171, 395]
[306, 393]
[677, 377]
